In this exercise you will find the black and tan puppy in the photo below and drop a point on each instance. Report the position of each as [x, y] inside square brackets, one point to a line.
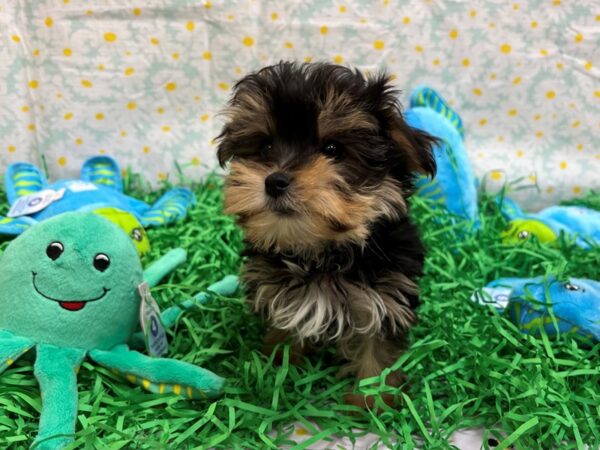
[322, 164]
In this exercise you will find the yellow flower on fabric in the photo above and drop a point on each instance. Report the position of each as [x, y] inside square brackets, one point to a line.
[190, 26]
[520, 153]
[324, 29]
[146, 150]
[563, 165]
[175, 56]
[473, 13]
[274, 16]
[99, 116]
[25, 108]
[288, 44]
[67, 52]
[539, 134]
[248, 41]
[534, 24]
[195, 161]
[11, 148]
[48, 22]
[171, 86]
[68, 116]
[207, 56]
[338, 59]
[550, 95]
[86, 83]
[160, 110]
[378, 44]
[137, 11]
[588, 65]
[513, 112]
[482, 122]
[453, 34]
[78, 141]
[342, 9]
[154, 41]
[466, 62]
[516, 80]
[477, 91]
[31, 127]
[34, 84]
[15, 38]
[406, 20]
[62, 161]
[418, 49]
[204, 117]
[578, 38]
[131, 105]
[166, 128]
[496, 175]
[110, 37]
[505, 48]
[129, 71]
[224, 86]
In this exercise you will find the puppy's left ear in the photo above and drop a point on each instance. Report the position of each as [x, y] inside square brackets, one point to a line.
[414, 147]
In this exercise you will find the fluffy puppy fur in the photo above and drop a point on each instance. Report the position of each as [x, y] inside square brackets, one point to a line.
[321, 166]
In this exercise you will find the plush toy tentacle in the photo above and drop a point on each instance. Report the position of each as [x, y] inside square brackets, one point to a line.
[169, 208]
[56, 371]
[164, 266]
[23, 179]
[160, 375]
[227, 286]
[104, 171]
[15, 225]
[12, 348]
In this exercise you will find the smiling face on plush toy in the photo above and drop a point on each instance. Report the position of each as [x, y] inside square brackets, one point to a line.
[71, 281]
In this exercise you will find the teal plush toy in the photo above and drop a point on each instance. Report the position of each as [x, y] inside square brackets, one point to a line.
[454, 186]
[571, 306]
[69, 291]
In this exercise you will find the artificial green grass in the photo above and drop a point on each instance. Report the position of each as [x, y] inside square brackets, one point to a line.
[467, 366]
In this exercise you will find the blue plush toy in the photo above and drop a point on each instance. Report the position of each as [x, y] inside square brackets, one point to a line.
[535, 303]
[454, 185]
[581, 223]
[100, 188]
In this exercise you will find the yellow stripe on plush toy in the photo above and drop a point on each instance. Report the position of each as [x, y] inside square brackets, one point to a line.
[128, 223]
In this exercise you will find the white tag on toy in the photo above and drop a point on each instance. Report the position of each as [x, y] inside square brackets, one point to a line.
[154, 333]
[81, 186]
[32, 203]
[495, 296]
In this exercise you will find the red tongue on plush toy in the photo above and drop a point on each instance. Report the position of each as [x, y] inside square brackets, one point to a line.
[72, 306]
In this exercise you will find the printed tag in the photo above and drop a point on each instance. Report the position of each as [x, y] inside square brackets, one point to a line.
[32, 203]
[495, 296]
[80, 186]
[154, 333]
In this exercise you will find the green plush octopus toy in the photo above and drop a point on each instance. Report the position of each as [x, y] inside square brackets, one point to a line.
[69, 291]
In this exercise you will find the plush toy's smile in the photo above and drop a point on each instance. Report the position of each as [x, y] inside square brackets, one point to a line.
[69, 305]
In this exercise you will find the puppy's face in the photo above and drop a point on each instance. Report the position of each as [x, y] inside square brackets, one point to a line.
[317, 154]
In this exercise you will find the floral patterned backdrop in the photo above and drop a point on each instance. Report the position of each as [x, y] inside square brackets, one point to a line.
[144, 80]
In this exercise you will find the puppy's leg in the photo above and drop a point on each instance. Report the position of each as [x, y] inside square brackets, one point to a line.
[367, 357]
[276, 336]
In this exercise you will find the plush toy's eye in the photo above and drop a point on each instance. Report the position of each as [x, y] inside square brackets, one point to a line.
[523, 234]
[572, 287]
[137, 234]
[101, 262]
[54, 250]
[332, 149]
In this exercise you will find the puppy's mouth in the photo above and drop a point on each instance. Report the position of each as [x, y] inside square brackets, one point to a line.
[281, 208]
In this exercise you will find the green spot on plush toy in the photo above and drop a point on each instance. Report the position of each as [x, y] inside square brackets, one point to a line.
[69, 290]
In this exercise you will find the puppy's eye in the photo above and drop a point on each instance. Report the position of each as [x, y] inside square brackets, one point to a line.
[265, 149]
[332, 149]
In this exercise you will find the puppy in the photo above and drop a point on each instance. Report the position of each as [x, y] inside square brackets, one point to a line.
[321, 166]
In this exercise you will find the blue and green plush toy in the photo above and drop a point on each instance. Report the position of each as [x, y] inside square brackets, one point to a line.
[99, 189]
[69, 291]
[454, 187]
[547, 303]
[581, 224]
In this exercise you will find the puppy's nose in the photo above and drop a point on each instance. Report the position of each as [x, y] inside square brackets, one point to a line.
[277, 183]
